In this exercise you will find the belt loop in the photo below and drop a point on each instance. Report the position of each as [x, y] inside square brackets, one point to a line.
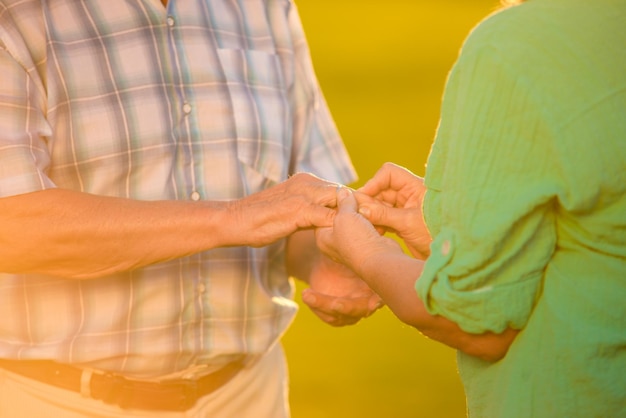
[85, 382]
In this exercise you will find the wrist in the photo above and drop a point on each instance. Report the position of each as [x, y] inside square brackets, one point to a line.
[301, 254]
[378, 261]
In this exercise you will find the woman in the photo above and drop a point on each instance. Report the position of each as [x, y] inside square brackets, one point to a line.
[526, 204]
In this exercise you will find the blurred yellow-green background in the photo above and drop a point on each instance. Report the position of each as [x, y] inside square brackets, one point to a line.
[382, 66]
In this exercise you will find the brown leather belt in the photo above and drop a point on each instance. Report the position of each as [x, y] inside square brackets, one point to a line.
[169, 395]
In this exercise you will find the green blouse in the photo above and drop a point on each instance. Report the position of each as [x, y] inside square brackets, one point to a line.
[526, 203]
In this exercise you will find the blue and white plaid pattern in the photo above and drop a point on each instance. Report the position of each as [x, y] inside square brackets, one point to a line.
[216, 99]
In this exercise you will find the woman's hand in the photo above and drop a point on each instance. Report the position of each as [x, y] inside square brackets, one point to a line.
[353, 240]
[392, 200]
[392, 274]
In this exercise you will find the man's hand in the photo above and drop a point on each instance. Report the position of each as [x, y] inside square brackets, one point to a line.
[392, 200]
[302, 201]
[337, 295]
[81, 233]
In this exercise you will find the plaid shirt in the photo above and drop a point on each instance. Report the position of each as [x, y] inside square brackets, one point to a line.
[212, 99]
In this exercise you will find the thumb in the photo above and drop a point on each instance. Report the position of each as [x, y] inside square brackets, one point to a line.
[346, 202]
[382, 215]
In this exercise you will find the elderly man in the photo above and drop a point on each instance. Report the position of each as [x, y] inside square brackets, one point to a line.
[146, 151]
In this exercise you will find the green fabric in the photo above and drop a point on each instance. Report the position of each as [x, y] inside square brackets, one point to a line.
[527, 204]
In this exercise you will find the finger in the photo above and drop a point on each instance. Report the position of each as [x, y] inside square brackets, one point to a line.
[329, 319]
[358, 307]
[399, 177]
[343, 321]
[391, 218]
[365, 201]
[363, 198]
[315, 189]
[328, 196]
[336, 321]
[393, 184]
[387, 197]
[310, 299]
[378, 183]
[317, 216]
[346, 201]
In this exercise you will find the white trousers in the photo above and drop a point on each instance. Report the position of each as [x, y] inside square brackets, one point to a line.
[260, 391]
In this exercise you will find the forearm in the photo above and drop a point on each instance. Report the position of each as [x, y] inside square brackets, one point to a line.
[394, 280]
[72, 234]
[301, 254]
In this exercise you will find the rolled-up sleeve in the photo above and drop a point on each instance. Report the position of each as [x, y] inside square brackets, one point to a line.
[490, 203]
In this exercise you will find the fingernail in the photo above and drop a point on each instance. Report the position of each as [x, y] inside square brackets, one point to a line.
[342, 192]
[365, 211]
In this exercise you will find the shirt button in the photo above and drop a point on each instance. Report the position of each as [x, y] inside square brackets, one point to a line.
[195, 196]
[445, 247]
[187, 108]
[170, 21]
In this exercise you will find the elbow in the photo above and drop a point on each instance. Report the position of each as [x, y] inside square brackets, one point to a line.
[490, 355]
[490, 346]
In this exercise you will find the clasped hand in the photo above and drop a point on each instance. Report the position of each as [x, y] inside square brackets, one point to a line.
[390, 201]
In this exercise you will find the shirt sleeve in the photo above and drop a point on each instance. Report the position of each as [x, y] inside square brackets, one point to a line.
[317, 145]
[24, 153]
[491, 196]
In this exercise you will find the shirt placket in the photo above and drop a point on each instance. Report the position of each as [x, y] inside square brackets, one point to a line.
[186, 164]
[188, 170]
